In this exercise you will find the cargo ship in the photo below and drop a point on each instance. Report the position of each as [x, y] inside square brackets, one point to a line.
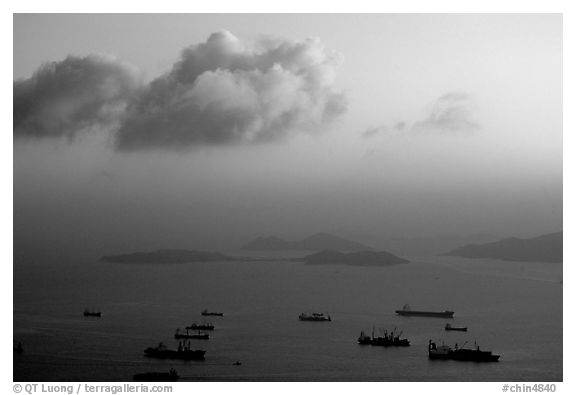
[205, 312]
[460, 354]
[314, 317]
[407, 311]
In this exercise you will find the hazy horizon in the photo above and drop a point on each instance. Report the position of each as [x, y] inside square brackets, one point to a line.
[410, 136]
[206, 131]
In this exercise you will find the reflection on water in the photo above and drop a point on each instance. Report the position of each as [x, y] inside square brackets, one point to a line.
[513, 309]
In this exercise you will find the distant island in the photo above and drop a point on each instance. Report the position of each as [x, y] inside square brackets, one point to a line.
[317, 242]
[546, 248]
[360, 258]
[170, 256]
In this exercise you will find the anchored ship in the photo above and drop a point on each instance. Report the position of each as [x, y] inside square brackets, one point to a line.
[460, 354]
[92, 313]
[407, 311]
[386, 339]
[205, 312]
[314, 317]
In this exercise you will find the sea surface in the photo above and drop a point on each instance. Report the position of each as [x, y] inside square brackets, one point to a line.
[513, 309]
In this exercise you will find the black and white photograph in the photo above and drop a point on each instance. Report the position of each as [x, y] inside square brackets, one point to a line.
[287, 197]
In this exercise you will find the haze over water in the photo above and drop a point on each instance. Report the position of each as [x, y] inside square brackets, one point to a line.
[411, 133]
[182, 133]
[512, 309]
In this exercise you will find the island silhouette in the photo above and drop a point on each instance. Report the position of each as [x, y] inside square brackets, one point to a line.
[545, 248]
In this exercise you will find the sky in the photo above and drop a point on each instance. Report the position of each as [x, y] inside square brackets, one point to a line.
[138, 132]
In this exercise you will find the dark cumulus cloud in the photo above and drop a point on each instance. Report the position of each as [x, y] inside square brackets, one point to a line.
[76, 94]
[221, 92]
[226, 91]
[451, 112]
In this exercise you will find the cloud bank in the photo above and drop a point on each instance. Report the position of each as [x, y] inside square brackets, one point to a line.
[451, 113]
[220, 92]
[226, 91]
[68, 97]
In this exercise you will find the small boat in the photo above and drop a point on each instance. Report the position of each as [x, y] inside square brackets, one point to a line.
[201, 327]
[205, 312]
[237, 363]
[92, 313]
[460, 354]
[386, 339]
[407, 311]
[314, 317]
[157, 376]
[184, 352]
[449, 327]
[199, 335]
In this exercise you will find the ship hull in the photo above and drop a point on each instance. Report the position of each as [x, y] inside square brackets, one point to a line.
[474, 356]
[491, 358]
[463, 354]
[197, 337]
[200, 328]
[314, 319]
[432, 355]
[415, 313]
[172, 354]
[389, 343]
[455, 356]
[383, 341]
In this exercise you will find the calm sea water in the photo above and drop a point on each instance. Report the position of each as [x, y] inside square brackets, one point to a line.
[513, 309]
